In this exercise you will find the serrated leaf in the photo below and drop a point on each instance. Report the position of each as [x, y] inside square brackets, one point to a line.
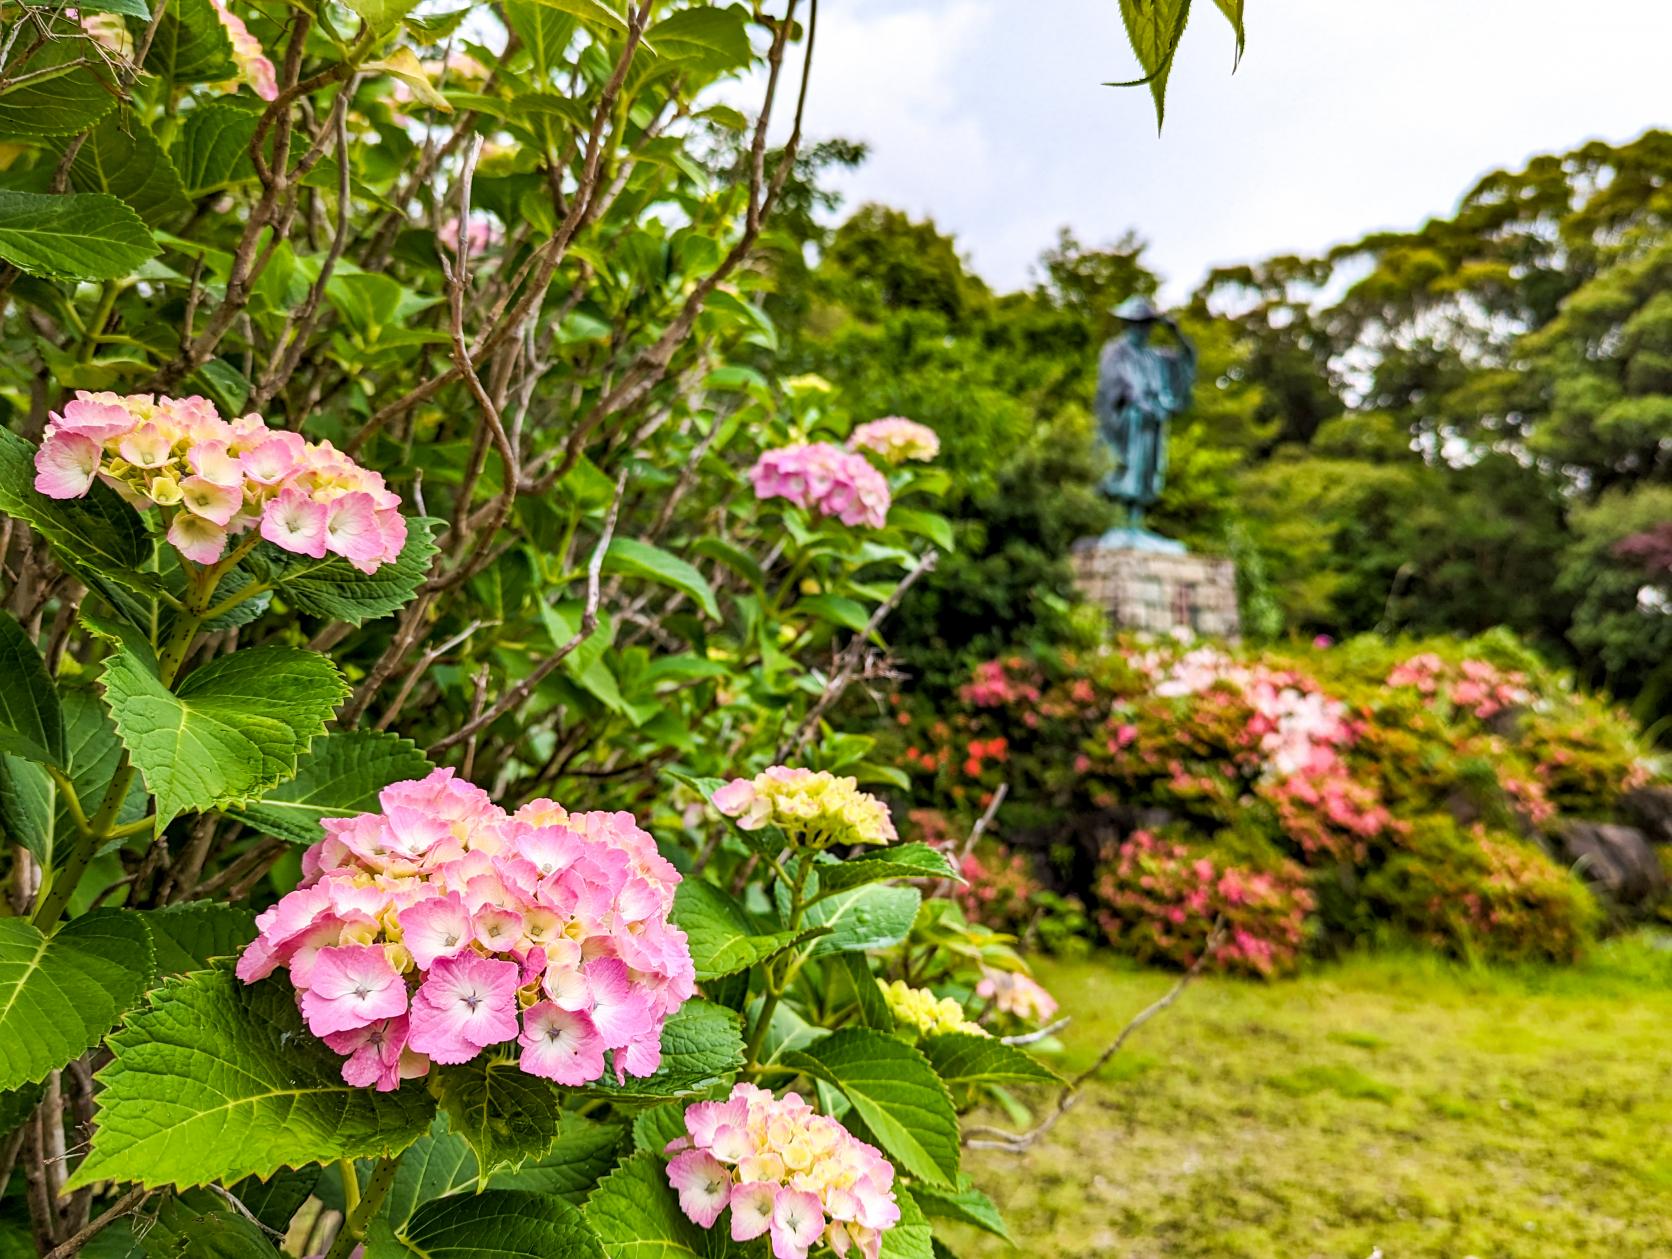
[60, 994]
[722, 938]
[504, 1114]
[1154, 28]
[906, 861]
[436, 1164]
[585, 1150]
[217, 1081]
[234, 728]
[127, 8]
[873, 1007]
[964, 1058]
[633, 558]
[593, 14]
[334, 588]
[1232, 9]
[199, 1224]
[193, 935]
[191, 45]
[966, 1204]
[896, 1092]
[121, 157]
[715, 38]
[339, 776]
[382, 15]
[701, 1043]
[213, 149]
[31, 722]
[55, 104]
[636, 1216]
[501, 1224]
[654, 1128]
[911, 1237]
[871, 916]
[545, 32]
[76, 236]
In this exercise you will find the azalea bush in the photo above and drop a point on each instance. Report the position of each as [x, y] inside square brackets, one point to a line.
[1303, 800]
[427, 826]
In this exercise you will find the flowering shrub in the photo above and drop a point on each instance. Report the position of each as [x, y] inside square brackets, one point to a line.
[785, 1171]
[1017, 994]
[818, 808]
[826, 479]
[895, 440]
[444, 925]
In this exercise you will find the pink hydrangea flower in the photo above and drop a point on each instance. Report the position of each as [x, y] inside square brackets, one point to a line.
[254, 66]
[895, 439]
[785, 1170]
[448, 926]
[825, 479]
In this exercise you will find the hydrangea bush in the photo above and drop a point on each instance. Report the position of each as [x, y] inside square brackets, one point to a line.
[388, 452]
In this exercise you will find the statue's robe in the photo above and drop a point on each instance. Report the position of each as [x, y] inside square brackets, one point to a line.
[1139, 387]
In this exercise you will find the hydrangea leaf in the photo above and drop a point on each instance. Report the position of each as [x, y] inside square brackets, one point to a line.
[907, 861]
[723, 940]
[213, 149]
[59, 994]
[896, 1092]
[500, 1224]
[967, 1205]
[62, 94]
[334, 588]
[234, 728]
[585, 1150]
[121, 156]
[437, 1163]
[339, 776]
[633, 558]
[190, 45]
[504, 1114]
[76, 236]
[199, 1224]
[701, 1042]
[870, 916]
[193, 935]
[216, 1081]
[96, 535]
[31, 723]
[964, 1058]
[634, 1213]
[912, 1236]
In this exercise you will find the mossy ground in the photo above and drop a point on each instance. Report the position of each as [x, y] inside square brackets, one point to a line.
[1392, 1102]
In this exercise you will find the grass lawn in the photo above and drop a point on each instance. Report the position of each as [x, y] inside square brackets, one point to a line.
[1394, 1102]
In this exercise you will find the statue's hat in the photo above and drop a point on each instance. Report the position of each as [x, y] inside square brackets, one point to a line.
[1137, 309]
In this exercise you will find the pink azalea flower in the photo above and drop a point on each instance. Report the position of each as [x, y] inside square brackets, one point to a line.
[797, 1221]
[296, 523]
[350, 986]
[465, 1004]
[438, 927]
[199, 540]
[66, 464]
[560, 1045]
[704, 1187]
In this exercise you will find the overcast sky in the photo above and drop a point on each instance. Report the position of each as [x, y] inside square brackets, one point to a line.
[1346, 115]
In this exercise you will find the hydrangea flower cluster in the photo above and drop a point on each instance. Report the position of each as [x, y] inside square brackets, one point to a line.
[896, 439]
[254, 66]
[825, 479]
[1016, 994]
[921, 1013]
[819, 808]
[219, 478]
[442, 926]
[784, 1170]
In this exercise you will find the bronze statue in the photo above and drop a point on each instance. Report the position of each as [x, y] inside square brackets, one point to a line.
[1139, 388]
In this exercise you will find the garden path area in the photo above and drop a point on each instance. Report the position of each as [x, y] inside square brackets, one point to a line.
[1395, 1102]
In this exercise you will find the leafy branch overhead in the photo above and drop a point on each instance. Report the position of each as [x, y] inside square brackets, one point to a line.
[1154, 28]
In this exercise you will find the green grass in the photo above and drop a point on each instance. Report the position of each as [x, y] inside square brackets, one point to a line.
[1396, 1102]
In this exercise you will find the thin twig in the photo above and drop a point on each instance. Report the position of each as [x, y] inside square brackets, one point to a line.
[1038, 1034]
[944, 887]
[126, 1203]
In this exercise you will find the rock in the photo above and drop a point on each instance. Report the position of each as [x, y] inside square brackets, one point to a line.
[1617, 860]
[1650, 808]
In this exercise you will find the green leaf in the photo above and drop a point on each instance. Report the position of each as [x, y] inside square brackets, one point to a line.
[593, 14]
[654, 1128]
[234, 728]
[701, 1042]
[964, 1058]
[633, 558]
[60, 994]
[907, 861]
[871, 916]
[1232, 9]
[191, 45]
[544, 31]
[836, 609]
[896, 1092]
[382, 15]
[585, 1150]
[723, 939]
[127, 8]
[192, 935]
[967, 1205]
[121, 157]
[31, 723]
[335, 589]
[715, 38]
[926, 524]
[501, 1224]
[911, 1237]
[502, 1112]
[78, 236]
[339, 776]
[635, 1215]
[213, 149]
[217, 1081]
[199, 1224]
[59, 104]
[1154, 28]
[873, 1008]
[436, 1164]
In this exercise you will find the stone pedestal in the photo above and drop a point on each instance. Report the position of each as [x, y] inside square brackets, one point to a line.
[1158, 592]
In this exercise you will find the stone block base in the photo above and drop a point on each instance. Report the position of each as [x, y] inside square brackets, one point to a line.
[1158, 593]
